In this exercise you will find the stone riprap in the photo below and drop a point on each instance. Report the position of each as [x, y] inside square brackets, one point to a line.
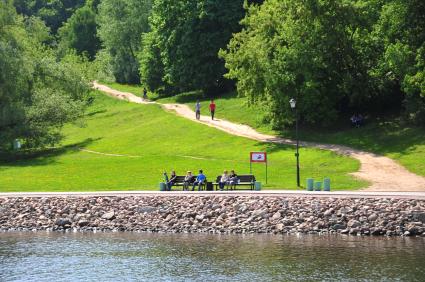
[216, 214]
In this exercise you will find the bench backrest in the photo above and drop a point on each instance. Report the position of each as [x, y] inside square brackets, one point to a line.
[180, 178]
[242, 178]
[246, 178]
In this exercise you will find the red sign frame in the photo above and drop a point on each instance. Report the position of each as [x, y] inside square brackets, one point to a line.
[252, 160]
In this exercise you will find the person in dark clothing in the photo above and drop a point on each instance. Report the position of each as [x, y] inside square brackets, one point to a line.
[233, 179]
[198, 110]
[172, 180]
[145, 94]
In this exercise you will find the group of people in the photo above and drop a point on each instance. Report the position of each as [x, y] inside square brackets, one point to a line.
[198, 109]
[200, 179]
[189, 179]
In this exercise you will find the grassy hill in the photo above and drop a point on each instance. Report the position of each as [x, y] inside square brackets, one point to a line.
[384, 136]
[144, 140]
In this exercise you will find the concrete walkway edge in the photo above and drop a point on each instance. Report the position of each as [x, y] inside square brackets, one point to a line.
[264, 193]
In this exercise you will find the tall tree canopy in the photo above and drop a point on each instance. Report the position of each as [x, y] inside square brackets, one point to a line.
[335, 56]
[38, 94]
[80, 33]
[186, 37]
[53, 12]
[121, 25]
[294, 48]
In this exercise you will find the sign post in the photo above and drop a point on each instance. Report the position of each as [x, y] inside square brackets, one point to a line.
[258, 157]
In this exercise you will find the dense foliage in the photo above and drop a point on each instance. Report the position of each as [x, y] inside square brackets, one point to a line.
[181, 50]
[121, 25]
[80, 33]
[38, 94]
[337, 57]
[53, 12]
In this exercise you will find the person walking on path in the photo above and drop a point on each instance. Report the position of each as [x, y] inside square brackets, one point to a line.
[198, 110]
[145, 93]
[212, 109]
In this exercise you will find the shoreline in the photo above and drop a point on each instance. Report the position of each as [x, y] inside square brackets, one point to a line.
[215, 214]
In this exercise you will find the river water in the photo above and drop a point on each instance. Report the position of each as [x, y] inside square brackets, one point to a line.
[184, 257]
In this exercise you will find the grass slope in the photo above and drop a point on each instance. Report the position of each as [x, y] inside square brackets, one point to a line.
[154, 141]
[388, 137]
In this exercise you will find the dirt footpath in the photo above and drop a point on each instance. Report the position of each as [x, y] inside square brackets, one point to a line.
[383, 173]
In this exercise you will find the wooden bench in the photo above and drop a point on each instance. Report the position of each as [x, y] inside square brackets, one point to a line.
[243, 180]
[179, 182]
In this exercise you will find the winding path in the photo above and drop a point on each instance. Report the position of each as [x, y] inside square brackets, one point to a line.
[383, 173]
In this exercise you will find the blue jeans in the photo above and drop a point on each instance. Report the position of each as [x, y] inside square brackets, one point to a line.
[221, 185]
[199, 183]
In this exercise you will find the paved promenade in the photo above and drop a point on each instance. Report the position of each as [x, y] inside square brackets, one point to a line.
[264, 193]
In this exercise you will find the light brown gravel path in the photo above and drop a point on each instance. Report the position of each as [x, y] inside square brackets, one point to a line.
[383, 174]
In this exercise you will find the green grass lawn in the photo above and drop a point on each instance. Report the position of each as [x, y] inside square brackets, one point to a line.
[152, 141]
[387, 137]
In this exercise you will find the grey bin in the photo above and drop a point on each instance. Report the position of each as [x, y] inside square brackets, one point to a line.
[257, 186]
[310, 183]
[327, 184]
[16, 144]
[318, 186]
[162, 186]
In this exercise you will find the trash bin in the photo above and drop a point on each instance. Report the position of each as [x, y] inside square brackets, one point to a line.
[310, 183]
[16, 144]
[327, 184]
[162, 186]
[257, 186]
[210, 186]
[318, 186]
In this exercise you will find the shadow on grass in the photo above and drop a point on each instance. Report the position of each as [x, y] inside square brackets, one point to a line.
[380, 137]
[193, 96]
[41, 157]
[275, 147]
[96, 113]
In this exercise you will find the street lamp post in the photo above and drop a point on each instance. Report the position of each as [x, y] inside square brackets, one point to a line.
[293, 104]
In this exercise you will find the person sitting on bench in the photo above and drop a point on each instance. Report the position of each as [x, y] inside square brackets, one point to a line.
[200, 180]
[224, 180]
[188, 179]
[172, 180]
[233, 179]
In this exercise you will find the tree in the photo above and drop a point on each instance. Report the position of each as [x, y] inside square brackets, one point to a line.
[80, 33]
[189, 35]
[151, 66]
[400, 66]
[295, 48]
[121, 25]
[38, 94]
[53, 12]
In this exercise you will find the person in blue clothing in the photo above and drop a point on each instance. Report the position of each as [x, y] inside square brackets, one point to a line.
[200, 180]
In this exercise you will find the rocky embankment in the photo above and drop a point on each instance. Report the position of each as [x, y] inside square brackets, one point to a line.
[215, 214]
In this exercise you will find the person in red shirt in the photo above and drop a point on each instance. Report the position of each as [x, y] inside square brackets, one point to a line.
[212, 109]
